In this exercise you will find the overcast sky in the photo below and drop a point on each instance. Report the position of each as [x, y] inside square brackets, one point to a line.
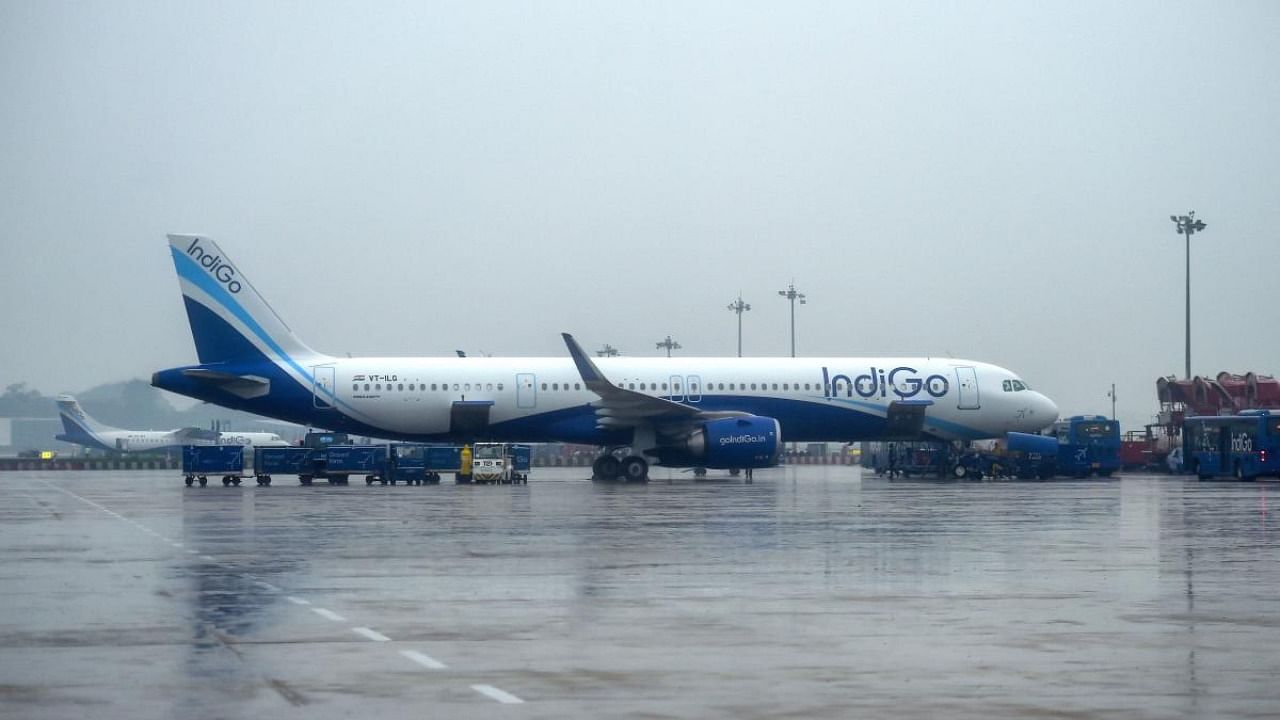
[987, 180]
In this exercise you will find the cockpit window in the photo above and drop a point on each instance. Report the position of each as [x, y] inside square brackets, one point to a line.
[1014, 386]
[1008, 385]
[1019, 386]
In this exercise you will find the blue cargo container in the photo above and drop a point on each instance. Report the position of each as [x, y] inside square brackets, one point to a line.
[270, 461]
[444, 458]
[201, 461]
[521, 462]
[337, 462]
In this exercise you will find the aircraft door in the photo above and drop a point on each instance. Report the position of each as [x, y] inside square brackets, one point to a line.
[323, 386]
[694, 389]
[677, 388]
[526, 390]
[967, 382]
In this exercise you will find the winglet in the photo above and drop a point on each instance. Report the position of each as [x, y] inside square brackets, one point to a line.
[586, 368]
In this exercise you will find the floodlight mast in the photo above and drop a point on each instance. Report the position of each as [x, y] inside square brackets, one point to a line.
[669, 344]
[739, 307]
[793, 295]
[1187, 225]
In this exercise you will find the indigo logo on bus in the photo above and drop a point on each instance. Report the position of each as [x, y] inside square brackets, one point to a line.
[903, 381]
[224, 273]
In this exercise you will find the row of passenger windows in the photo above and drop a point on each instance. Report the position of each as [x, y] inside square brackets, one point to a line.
[422, 387]
[693, 387]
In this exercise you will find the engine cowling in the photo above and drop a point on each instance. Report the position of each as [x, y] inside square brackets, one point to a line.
[739, 442]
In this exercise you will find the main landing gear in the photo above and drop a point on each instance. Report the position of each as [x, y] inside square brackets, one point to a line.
[632, 468]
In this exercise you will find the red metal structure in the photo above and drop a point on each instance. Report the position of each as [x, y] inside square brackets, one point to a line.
[1225, 394]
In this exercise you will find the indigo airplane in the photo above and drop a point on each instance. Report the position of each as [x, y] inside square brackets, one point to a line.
[84, 430]
[725, 413]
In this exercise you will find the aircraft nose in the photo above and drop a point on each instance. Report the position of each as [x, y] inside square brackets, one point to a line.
[1046, 410]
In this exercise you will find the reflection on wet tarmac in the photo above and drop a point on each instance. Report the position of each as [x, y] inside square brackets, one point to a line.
[812, 592]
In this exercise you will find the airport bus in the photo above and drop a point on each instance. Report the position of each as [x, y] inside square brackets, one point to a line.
[1242, 446]
[1088, 444]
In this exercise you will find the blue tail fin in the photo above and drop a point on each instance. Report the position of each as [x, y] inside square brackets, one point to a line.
[80, 428]
[230, 321]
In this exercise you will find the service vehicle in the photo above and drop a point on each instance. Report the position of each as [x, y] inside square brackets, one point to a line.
[498, 463]
[1088, 445]
[1243, 446]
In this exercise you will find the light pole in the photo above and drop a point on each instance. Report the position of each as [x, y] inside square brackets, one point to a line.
[1112, 395]
[1188, 225]
[670, 345]
[739, 307]
[791, 294]
[608, 351]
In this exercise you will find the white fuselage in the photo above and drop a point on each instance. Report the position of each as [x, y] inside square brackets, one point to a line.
[144, 440]
[965, 400]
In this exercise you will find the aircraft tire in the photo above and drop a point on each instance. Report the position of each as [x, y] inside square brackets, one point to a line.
[189, 480]
[605, 467]
[635, 469]
[203, 481]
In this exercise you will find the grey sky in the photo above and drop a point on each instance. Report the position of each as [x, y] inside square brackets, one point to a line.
[989, 180]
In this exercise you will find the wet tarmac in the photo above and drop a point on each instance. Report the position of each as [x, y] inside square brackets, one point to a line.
[813, 592]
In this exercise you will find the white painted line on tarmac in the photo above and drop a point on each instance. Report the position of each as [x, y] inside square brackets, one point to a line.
[420, 658]
[373, 635]
[501, 696]
[424, 660]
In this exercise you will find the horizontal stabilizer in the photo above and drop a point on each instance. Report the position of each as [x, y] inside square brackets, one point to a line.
[245, 386]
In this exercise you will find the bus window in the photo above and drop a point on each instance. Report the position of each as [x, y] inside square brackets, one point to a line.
[1093, 430]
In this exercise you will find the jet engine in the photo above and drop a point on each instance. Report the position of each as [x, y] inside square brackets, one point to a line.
[737, 442]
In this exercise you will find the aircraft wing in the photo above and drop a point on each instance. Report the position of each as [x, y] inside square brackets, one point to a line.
[195, 433]
[622, 408]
